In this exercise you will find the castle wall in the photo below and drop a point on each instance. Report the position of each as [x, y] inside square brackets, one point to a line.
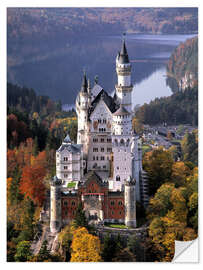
[122, 159]
[100, 146]
[68, 166]
[130, 205]
[55, 207]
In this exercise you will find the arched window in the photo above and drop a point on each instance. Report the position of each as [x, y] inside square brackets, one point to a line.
[118, 178]
[122, 143]
[116, 142]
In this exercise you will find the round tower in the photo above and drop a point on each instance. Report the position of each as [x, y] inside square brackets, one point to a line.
[130, 202]
[55, 204]
[122, 122]
[124, 86]
[82, 105]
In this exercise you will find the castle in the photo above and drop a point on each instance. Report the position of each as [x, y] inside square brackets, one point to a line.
[103, 171]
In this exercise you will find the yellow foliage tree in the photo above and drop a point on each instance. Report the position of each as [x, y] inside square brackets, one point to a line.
[85, 247]
[180, 173]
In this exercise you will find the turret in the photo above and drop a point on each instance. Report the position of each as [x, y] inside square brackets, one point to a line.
[124, 86]
[55, 204]
[130, 202]
[82, 105]
[122, 122]
[89, 93]
[121, 141]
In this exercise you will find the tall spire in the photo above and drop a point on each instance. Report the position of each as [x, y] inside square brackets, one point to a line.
[84, 83]
[123, 49]
[123, 55]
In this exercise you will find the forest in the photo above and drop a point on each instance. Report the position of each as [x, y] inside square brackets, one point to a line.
[34, 136]
[183, 64]
[179, 108]
[26, 24]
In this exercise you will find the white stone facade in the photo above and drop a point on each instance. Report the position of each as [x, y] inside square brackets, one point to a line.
[69, 163]
[109, 146]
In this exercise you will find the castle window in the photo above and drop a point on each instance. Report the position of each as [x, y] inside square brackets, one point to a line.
[93, 157]
[122, 142]
[65, 175]
[73, 203]
[102, 140]
[104, 121]
[102, 158]
[97, 158]
[120, 203]
[65, 167]
[99, 121]
[95, 149]
[108, 140]
[109, 149]
[117, 168]
[112, 202]
[104, 167]
[65, 203]
[102, 149]
[65, 159]
[112, 212]
[118, 178]
[120, 213]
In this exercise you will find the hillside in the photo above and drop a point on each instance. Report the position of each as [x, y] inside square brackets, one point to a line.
[179, 108]
[182, 67]
[50, 23]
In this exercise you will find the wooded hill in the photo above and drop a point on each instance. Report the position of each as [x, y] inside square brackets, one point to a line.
[38, 24]
[182, 67]
[179, 108]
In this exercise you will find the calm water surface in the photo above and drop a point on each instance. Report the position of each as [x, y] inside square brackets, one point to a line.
[56, 69]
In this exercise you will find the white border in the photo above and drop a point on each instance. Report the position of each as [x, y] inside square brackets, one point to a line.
[71, 3]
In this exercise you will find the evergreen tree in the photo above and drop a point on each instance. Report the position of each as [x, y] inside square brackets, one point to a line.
[23, 253]
[35, 149]
[80, 219]
[43, 254]
[14, 194]
[109, 248]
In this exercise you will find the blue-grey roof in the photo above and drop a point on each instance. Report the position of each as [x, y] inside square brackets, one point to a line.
[56, 181]
[72, 148]
[123, 55]
[84, 84]
[121, 111]
[67, 139]
[108, 100]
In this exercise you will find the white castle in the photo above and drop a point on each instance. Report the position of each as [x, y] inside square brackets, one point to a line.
[106, 142]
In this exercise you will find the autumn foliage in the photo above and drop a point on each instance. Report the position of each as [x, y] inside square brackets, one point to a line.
[85, 247]
[31, 184]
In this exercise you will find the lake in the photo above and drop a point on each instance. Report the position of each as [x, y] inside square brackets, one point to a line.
[56, 69]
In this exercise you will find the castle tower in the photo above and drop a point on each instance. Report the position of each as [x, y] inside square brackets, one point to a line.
[121, 147]
[82, 101]
[69, 162]
[55, 204]
[130, 202]
[89, 93]
[124, 86]
[136, 150]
